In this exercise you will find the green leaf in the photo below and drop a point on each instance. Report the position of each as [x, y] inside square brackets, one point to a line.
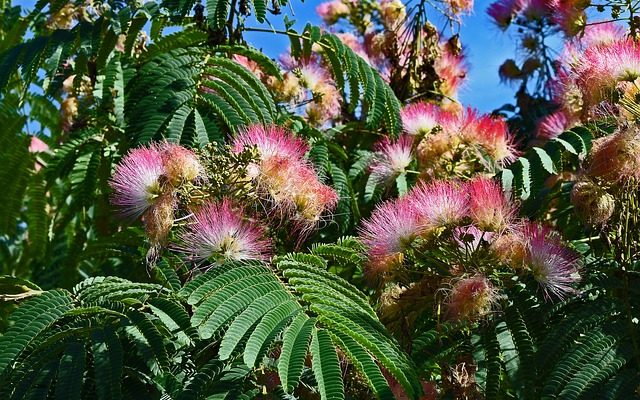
[294, 351]
[326, 366]
[70, 372]
[107, 363]
[29, 320]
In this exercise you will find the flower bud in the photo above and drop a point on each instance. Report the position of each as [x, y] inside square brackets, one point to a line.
[592, 204]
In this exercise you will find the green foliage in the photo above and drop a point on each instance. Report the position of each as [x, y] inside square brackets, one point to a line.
[361, 85]
[185, 96]
[581, 348]
[526, 177]
[249, 306]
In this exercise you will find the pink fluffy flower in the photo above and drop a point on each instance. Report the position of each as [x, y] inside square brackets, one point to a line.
[249, 64]
[270, 141]
[420, 118]
[489, 209]
[332, 11]
[471, 298]
[136, 182]
[569, 15]
[313, 76]
[310, 198]
[602, 67]
[554, 266]
[439, 203]
[393, 13]
[37, 146]
[492, 134]
[221, 232]
[616, 157]
[326, 105]
[180, 164]
[552, 125]
[533, 9]
[286, 177]
[601, 34]
[391, 158]
[389, 231]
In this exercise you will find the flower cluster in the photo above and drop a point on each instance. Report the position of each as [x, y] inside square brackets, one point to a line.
[613, 167]
[597, 70]
[164, 183]
[459, 234]
[391, 159]
[285, 177]
[456, 144]
[145, 184]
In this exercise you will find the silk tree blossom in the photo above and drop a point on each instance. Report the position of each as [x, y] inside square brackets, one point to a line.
[221, 232]
[393, 13]
[471, 298]
[489, 209]
[390, 230]
[553, 265]
[459, 6]
[490, 133]
[391, 158]
[502, 12]
[452, 71]
[534, 9]
[592, 203]
[313, 76]
[136, 181]
[439, 203]
[158, 220]
[569, 15]
[249, 64]
[310, 198]
[286, 177]
[315, 81]
[420, 118]
[567, 94]
[602, 67]
[180, 164]
[326, 105]
[271, 141]
[616, 157]
[600, 34]
[552, 125]
[510, 248]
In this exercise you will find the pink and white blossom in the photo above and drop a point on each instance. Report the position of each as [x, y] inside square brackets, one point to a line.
[221, 232]
[489, 209]
[439, 203]
[391, 158]
[136, 180]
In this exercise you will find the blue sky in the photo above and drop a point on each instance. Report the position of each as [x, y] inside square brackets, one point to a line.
[486, 47]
